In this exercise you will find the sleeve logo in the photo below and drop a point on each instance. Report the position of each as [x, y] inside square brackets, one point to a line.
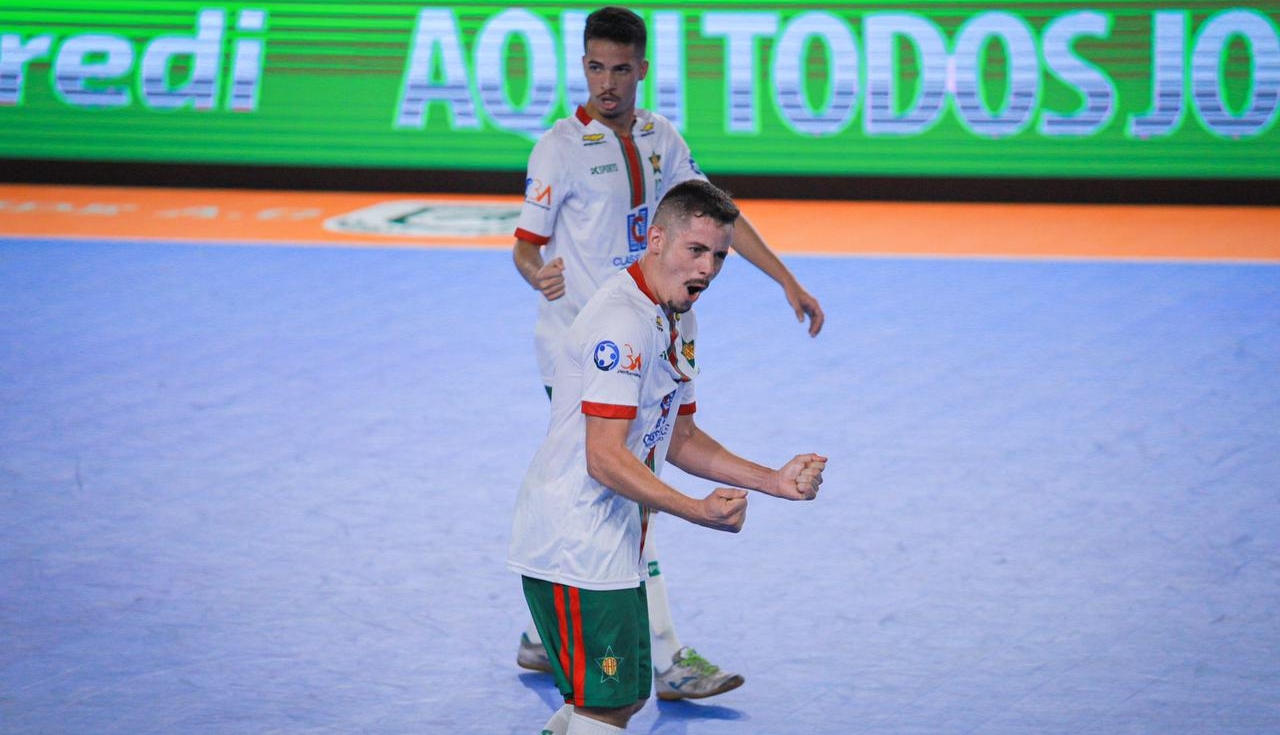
[633, 364]
[606, 355]
[537, 192]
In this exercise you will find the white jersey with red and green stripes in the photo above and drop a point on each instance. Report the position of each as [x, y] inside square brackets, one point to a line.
[623, 359]
[589, 197]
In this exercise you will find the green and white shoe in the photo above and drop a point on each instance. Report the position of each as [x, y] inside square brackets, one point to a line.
[693, 677]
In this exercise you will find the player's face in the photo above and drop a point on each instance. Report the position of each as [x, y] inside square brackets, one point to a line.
[688, 259]
[613, 70]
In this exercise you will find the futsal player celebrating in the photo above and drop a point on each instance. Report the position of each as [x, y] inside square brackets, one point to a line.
[593, 182]
[622, 404]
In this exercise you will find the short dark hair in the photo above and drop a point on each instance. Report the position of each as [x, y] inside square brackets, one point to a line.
[618, 25]
[695, 198]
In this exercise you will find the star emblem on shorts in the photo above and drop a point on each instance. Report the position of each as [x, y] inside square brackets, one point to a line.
[656, 161]
[609, 665]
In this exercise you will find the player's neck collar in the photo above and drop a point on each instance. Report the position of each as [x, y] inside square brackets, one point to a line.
[638, 276]
[585, 118]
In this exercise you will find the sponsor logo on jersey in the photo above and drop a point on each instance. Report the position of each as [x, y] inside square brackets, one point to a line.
[608, 168]
[638, 230]
[606, 355]
[662, 427]
[426, 218]
[624, 262]
[592, 139]
[537, 193]
[647, 130]
[631, 363]
[694, 165]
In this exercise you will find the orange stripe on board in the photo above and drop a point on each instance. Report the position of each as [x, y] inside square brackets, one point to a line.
[238, 217]
[220, 216]
[1107, 231]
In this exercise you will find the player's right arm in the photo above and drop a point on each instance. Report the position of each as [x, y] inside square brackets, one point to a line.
[548, 278]
[610, 463]
[546, 188]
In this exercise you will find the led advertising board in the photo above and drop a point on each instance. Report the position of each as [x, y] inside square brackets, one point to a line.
[1112, 90]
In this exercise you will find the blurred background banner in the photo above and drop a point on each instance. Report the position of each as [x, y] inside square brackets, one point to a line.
[1163, 91]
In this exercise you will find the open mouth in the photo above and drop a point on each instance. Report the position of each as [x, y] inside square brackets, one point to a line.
[695, 288]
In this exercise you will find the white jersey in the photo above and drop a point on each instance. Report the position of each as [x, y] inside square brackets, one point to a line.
[589, 197]
[621, 359]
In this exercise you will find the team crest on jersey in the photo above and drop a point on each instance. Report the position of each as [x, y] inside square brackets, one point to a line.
[687, 351]
[658, 321]
[609, 665]
[638, 230]
[656, 161]
[606, 355]
[592, 139]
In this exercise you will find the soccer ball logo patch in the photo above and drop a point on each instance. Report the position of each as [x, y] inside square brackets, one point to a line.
[606, 355]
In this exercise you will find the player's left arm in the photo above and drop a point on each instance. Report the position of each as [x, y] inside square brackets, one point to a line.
[699, 454]
[748, 242]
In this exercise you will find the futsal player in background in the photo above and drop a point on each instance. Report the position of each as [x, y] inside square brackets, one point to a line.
[594, 181]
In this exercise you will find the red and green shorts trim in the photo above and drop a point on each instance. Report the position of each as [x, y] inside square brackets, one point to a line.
[598, 641]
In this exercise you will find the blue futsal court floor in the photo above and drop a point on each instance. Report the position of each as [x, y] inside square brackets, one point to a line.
[252, 490]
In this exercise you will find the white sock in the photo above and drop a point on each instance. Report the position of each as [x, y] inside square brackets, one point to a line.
[663, 639]
[559, 722]
[583, 725]
[531, 630]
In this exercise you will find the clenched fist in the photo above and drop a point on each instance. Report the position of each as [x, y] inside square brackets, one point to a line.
[800, 478]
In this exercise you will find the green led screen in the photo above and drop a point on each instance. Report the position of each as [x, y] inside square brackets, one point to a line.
[986, 89]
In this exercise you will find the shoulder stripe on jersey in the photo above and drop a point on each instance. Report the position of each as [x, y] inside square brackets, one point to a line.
[583, 116]
[523, 234]
[608, 410]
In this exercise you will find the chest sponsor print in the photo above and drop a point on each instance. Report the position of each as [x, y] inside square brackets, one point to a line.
[638, 229]
[662, 426]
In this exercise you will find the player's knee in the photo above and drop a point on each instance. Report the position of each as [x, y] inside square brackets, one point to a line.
[616, 716]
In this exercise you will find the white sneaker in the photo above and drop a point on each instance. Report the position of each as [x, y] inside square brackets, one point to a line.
[532, 655]
[693, 677]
